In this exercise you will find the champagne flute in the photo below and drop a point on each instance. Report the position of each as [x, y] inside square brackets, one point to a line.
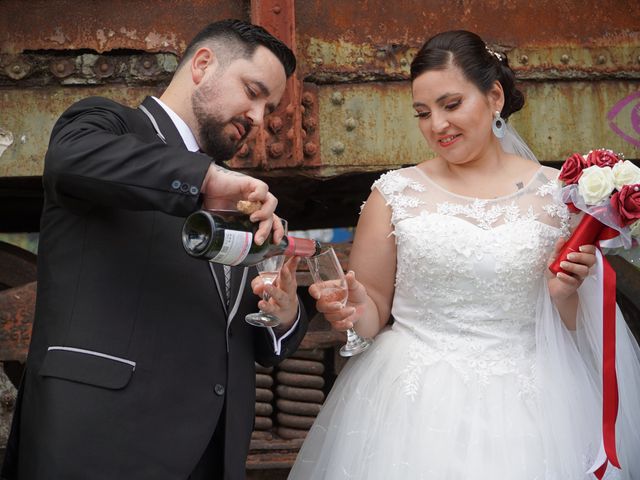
[268, 269]
[327, 273]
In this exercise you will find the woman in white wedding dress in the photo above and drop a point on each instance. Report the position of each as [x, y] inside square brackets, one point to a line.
[491, 367]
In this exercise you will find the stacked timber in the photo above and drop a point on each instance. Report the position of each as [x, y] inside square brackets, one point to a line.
[264, 403]
[299, 394]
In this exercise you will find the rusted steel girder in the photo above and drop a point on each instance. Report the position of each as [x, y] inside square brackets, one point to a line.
[16, 317]
[291, 138]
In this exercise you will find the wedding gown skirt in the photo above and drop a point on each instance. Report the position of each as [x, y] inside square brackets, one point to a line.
[477, 378]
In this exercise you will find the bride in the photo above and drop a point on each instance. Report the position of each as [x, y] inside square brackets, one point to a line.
[491, 366]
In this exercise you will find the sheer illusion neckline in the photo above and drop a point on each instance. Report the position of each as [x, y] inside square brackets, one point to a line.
[466, 197]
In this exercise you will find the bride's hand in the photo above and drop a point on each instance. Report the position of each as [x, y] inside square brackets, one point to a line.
[342, 318]
[578, 264]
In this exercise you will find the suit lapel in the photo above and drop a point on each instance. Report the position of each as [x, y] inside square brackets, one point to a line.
[169, 134]
[217, 273]
[163, 121]
[238, 281]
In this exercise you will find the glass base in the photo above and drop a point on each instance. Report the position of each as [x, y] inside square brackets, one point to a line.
[261, 319]
[355, 344]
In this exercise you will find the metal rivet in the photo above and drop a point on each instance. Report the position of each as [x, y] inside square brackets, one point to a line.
[601, 59]
[307, 99]
[337, 98]
[275, 124]
[291, 134]
[309, 124]
[276, 10]
[146, 64]
[60, 67]
[524, 59]
[564, 58]
[360, 61]
[104, 66]
[337, 148]
[350, 123]
[17, 71]
[276, 149]
[310, 148]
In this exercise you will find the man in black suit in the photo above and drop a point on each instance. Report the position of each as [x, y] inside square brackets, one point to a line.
[141, 365]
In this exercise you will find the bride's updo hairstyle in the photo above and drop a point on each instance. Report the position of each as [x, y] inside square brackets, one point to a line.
[480, 66]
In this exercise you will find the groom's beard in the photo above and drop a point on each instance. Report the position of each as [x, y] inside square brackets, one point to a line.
[214, 141]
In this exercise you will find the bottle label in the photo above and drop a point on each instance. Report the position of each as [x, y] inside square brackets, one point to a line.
[235, 247]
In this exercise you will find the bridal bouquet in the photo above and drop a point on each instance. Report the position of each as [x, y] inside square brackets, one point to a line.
[607, 189]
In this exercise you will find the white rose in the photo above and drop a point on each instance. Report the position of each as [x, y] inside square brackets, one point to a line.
[634, 229]
[596, 184]
[625, 173]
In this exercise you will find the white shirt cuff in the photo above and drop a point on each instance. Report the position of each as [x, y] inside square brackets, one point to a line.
[277, 342]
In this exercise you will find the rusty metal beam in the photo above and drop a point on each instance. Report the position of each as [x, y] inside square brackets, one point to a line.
[151, 26]
[17, 306]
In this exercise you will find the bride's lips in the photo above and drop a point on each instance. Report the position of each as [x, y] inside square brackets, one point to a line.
[448, 140]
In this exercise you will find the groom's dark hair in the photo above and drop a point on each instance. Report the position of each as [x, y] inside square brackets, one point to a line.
[233, 39]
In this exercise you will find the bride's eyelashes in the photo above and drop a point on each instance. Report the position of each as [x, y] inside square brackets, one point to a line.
[449, 107]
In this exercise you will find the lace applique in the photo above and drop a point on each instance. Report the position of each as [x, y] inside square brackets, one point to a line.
[393, 185]
[486, 217]
[550, 188]
[557, 209]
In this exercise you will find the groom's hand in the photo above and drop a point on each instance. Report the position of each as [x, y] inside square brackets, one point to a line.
[222, 188]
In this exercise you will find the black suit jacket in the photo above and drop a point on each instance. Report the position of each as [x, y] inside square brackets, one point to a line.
[133, 352]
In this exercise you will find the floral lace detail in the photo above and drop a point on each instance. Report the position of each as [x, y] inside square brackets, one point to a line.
[486, 217]
[392, 184]
[486, 259]
[552, 187]
[557, 209]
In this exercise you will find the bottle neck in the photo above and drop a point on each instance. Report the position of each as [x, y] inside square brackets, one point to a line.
[300, 247]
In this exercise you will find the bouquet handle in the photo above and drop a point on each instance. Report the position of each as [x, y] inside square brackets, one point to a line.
[587, 232]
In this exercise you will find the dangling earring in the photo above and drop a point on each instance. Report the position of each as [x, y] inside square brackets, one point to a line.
[498, 125]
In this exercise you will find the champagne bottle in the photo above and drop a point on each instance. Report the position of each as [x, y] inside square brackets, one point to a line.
[226, 236]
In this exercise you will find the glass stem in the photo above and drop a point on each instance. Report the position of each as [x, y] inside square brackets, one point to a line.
[352, 336]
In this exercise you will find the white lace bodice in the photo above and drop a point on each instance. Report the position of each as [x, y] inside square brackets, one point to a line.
[469, 272]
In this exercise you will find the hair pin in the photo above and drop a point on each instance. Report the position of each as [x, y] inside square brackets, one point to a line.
[494, 53]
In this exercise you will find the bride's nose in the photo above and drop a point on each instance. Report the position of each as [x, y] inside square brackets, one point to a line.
[439, 122]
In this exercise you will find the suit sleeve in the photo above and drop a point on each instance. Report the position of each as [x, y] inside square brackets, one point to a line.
[265, 354]
[102, 154]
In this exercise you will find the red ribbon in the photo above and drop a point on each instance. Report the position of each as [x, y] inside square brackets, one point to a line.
[591, 231]
[609, 377]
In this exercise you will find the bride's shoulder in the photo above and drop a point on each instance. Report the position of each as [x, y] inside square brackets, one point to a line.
[398, 179]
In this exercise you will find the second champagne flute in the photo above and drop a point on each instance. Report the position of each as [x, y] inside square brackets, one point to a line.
[327, 273]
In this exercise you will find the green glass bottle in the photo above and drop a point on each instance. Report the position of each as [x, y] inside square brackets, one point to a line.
[226, 236]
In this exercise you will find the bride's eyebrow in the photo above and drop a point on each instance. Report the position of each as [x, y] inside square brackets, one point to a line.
[438, 100]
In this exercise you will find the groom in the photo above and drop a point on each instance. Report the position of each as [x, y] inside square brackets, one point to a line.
[141, 365]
